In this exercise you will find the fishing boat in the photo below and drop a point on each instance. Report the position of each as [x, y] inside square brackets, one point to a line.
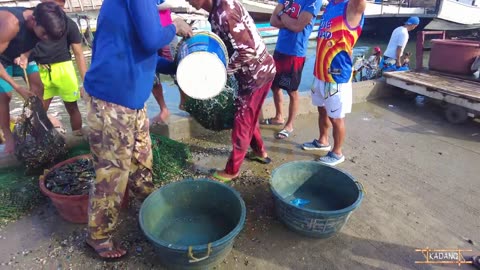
[456, 15]
[382, 16]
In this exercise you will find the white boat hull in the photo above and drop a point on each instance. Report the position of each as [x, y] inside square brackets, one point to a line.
[458, 12]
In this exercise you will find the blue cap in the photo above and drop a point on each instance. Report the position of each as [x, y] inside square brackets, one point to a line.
[413, 20]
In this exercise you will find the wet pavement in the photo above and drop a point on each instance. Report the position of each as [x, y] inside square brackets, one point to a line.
[420, 172]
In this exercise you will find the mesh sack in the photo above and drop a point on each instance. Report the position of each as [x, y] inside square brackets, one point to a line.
[38, 145]
[216, 113]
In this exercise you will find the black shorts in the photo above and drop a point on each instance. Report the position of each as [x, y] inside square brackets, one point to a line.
[289, 71]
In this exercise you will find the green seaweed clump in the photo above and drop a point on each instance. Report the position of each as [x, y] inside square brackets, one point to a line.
[216, 113]
[170, 158]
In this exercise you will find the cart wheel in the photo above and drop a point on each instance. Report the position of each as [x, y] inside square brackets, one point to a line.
[456, 114]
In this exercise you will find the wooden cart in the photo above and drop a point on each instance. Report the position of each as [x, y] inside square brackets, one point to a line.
[461, 97]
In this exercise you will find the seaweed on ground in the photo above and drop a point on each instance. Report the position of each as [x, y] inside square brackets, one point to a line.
[18, 193]
[170, 158]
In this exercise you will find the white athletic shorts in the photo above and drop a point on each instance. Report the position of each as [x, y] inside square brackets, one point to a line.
[336, 98]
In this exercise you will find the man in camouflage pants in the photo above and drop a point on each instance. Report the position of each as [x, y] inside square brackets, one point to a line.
[118, 83]
[254, 70]
[119, 159]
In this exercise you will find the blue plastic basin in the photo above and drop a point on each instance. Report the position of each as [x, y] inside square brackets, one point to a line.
[193, 223]
[329, 196]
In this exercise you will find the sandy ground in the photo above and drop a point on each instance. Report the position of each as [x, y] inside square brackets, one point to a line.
[420, 172]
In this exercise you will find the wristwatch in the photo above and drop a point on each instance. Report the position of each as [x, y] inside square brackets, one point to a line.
[280, 13]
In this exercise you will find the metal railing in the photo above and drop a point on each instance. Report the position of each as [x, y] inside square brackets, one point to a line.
[428, 6]
[420, 48]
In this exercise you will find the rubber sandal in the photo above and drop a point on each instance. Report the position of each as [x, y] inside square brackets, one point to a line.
[222, 179]
[283, 134]
[106, 249]
[253, 157]
[269, 122]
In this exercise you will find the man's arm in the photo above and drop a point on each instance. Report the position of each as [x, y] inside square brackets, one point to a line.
[147, 25]
[297, 22]
[355, 10]
[8, 31]
[74, 38]
[22, 60]
[80, 59]
[398, 53]
[296, 25]
[274, 19]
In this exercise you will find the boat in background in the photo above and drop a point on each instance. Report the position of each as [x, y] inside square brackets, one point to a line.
[456, 15]
[382, 16]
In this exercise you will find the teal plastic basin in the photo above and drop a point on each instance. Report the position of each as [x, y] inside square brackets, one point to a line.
[329, 196]
[193, 223]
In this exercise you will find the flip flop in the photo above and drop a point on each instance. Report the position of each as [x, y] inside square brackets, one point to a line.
[283, 134]
[222, 179]
[269, 122]
[253, 157]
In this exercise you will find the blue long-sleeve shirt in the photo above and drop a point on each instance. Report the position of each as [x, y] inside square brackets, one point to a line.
[124, 53]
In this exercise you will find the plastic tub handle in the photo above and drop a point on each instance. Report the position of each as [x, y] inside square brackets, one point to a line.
[361, 187]
[193, 259]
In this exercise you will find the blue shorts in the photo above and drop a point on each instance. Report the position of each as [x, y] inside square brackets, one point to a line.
[165, 66]
[16, 71]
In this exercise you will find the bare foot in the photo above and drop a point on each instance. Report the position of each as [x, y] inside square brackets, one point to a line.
[161, 118]
[106, 248]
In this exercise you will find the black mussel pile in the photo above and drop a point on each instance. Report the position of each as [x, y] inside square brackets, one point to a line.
[71, 179]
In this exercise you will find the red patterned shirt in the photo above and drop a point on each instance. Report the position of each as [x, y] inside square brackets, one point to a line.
[249, 60]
